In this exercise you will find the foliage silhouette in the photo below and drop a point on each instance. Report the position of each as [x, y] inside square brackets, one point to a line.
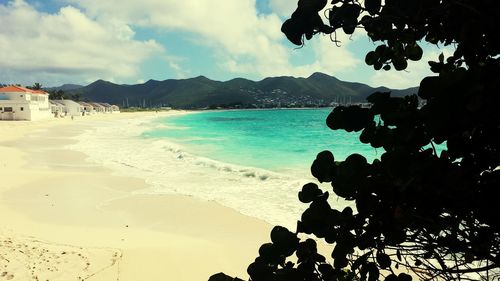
[418, 212]
[222, 277]
[36, 86]
[60, 94]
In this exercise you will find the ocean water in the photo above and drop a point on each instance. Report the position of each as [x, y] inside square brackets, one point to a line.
[280, 140]
[253, 161]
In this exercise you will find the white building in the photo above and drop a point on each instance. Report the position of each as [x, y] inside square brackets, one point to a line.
[111, 108]
[107, 107]
[99, 108]
[71, 108]
[57, 109]
[87, 108]
[19, 103]
[115, 108]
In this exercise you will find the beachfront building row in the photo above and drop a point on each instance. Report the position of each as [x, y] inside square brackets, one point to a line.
[19, 103]
[61, 108]
[98, 107]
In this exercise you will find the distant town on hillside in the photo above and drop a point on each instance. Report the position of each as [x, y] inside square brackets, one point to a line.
[318, 90]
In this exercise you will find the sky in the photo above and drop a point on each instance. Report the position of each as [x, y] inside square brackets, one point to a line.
[54, 42]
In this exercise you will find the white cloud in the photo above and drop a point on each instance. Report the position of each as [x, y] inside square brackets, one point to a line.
[66, 46]
[410, 77]
[335, 59]
[327, 58]
[244, 42]
[413, 74]
[180, 72]
[96, 40]
[234, 27]
[283, 8]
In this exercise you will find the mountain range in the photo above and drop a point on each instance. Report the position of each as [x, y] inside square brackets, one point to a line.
[65, 87]
[201, 92]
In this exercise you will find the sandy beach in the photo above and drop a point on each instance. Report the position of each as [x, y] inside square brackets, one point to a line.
[66, 218]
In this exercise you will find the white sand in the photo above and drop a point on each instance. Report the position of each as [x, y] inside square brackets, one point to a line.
[64, 218]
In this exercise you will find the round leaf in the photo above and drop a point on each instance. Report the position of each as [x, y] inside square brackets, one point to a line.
[293, 31]
[414, 52]
[399, 64]
[373, 6]
[383, 260]
[323, 167]
[309, 192]
[371, 58]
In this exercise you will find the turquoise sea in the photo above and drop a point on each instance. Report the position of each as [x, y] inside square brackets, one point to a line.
[277, 140]
[253, 161]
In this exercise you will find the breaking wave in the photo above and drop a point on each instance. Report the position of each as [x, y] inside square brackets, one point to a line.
[169, 169]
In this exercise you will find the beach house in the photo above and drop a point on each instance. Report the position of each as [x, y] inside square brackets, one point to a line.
[57, 109]
[19, 103]
[87, 108]
[99, 108]
[115, 108]
[108, 108]
[71, 108]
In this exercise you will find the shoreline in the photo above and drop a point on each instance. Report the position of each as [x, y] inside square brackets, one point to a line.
[169, 168]
[55, 194]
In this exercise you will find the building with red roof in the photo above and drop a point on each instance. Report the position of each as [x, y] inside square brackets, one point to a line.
[20, 103]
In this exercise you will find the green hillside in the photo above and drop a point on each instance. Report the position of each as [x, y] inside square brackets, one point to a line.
[201, 92]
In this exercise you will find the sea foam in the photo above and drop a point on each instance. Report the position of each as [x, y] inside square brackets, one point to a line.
[169, 169]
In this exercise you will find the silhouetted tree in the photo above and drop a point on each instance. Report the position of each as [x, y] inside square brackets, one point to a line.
[432, 215]
[36, 86]
[75, 97]
[60, 94]
[57, 94]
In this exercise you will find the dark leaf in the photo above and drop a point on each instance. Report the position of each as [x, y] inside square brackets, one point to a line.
[373, 6]
[309, 192]
[414, 52]
[285, 241]
[399, 63]
[373, 272]
[371, 58]
[352, 118]
[378, 97]
[404, 277]
[360, 261]
[258, 270]
[429, 87]
[223, 277]
[340, 262]
[349, 29]
[323, 167]
[270, 253]
[307, 251]
[383, 260]
[335, 17]
[293, 31]
[312, 5]
[326, 270]
[391, 277]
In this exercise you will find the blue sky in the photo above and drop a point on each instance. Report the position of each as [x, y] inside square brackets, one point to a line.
[130, 41]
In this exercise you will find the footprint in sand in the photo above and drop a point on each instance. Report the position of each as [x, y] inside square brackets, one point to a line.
[7, 275]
